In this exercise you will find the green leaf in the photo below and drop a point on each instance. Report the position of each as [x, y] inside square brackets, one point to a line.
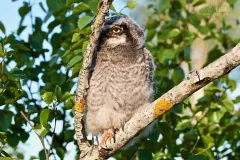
[167, 54]
[3, 137]
[131, 4]
[183, 124]
[42, 7]
[58, 93]
[74, 61]
[144, 155]
[75, 37]
[5, 120]
[82, 7]
[66, 96]
[84, 21]
[166, 131]
[20, 47]
[48, 97]
[178, 75]
[20, 29]
[24, 10]
[162, 5]
[216, 115]
[1, 51]
[44, 115]
[58, 79]
[17, 73]
[55, 5]
[41, 130]
[194, 19]
[84, 46]
[2, 28]
[232, 84]
[198, 157]
[237, 99]
[70, 103]
[76, 69]
[69, 2]
[93, 5]
[174, 32]
[150, 34]
[228, 104]
[203, 29]
[208, 141]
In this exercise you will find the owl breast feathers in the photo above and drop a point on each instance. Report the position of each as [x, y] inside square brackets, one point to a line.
[121, 81]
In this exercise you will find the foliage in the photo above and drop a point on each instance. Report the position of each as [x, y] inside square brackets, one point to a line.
[207, 130]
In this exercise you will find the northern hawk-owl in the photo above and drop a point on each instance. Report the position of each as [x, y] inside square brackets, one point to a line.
[121, 81]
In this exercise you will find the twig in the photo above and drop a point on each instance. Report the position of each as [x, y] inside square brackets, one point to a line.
[40, 138]
[195, 145]
[53, 133]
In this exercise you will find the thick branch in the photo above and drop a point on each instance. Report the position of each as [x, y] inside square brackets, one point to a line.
[83, 144]
[194, 81]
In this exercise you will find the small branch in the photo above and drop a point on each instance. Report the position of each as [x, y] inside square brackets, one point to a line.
[40, 138]
[83, 144]
[53, 133]
[195, 145]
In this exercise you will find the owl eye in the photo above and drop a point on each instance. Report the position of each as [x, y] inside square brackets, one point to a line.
[117, 30]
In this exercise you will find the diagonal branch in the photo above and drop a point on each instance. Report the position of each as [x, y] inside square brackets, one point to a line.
[83, 144]
[194, 81]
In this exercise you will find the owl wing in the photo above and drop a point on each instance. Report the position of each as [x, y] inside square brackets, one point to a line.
[150, 69]
[149, 63]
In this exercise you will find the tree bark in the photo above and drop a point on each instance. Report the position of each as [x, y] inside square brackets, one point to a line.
[80, 102]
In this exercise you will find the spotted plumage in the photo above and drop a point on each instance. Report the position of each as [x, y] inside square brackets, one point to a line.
[121, 81]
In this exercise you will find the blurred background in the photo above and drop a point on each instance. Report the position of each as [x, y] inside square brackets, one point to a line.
[42, 42]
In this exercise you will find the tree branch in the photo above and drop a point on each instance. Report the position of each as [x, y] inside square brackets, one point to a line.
[40, 137]
[83, 144]
[194, 81]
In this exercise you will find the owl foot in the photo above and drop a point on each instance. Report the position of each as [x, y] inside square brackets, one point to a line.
[107, 136]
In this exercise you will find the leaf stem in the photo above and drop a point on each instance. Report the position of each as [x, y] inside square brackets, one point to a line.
[40, 137]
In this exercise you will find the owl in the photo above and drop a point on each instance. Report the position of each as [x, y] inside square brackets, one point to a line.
[121, 77]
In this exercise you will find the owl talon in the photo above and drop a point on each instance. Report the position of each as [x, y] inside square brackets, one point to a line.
[107, 136]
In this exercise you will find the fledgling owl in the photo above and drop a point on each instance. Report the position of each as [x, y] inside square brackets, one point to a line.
[121, 81]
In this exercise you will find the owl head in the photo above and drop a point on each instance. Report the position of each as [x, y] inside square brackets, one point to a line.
[120, 31]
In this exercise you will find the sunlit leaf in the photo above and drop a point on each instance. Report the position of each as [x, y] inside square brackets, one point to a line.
[84, 21]
[74, 61]
[174, 33]
[41, 130]
[44, 117]
[131, 4]
[82, 7]
[48, 97]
